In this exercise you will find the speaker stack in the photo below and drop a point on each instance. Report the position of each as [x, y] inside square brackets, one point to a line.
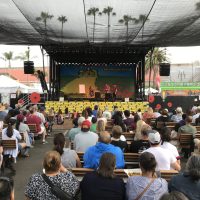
[164, 69]
[28, 67]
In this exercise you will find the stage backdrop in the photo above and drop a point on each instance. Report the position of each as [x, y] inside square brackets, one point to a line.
[84, 81]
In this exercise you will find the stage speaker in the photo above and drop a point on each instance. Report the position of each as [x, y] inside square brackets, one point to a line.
[164, 69]
[108, 96]
[97, 95]
[28, 67]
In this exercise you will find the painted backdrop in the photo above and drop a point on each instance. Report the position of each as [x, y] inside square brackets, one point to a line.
[104, 79]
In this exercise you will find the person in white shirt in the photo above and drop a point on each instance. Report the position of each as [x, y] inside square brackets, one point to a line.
[165, 142]
[9, 133]
[107, 113]
[164, 157]
[196, 115]
[85, 138]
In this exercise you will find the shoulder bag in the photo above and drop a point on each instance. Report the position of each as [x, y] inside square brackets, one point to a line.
[56, 190]
[145, 189]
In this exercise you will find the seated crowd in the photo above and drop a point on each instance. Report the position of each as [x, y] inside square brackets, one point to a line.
[100, 136]
[15, 126]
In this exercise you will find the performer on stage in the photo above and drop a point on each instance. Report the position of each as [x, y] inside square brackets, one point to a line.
[106, 88]
[114, 92]
[91, 91]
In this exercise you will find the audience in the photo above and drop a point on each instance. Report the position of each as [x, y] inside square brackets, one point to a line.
[188, 182]
[138, 129]
[103, 184]
[10, 155]
[69, 158]
[32, 118]
[175, 195]
[116, 141]
[196, 115]
[156, 113]
[128, 121]
[92, 155]
[93, 127]
[117, 120]
[188, 128]
[160, 121]
[1, 155]
[148, 115]
[85, 138]
[178, 116]
[146, 186]
[165, 142]
[38, 189]
[6, 188]
[164, 157]
[100, 126]
[139, 146]
[107, 113]
[74, 131]
[94, 112]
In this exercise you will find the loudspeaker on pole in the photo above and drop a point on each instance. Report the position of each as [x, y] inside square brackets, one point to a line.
[28, 67]
[164, 69]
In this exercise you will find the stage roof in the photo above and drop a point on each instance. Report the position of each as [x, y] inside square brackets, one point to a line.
[150, 22]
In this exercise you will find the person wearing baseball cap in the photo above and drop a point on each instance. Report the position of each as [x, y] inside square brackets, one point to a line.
[164, 157]
[85, 138]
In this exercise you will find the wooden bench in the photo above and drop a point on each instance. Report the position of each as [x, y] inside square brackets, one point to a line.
[33, 128]
[131, 159]
[80, 172]
[9, 144]
[129, 136]
[172, 124]
[197, 136]
[185, 140]
[198, 128]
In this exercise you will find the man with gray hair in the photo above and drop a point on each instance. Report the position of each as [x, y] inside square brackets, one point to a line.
[93, 154]
[74, 131]
[196, 115]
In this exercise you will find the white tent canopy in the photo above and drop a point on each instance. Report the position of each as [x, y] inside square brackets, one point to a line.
[9, 85]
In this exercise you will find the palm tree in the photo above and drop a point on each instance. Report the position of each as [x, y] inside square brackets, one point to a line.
[152, 63]
[62, 19]
[93, 11]
[25, 56]
[108, 11]
[44, 17]
[125, 20]
[8, 56]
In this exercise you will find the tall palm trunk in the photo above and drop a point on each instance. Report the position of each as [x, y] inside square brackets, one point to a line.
[108, 27]
[94, 26]
[9, 64]
[127, 33]
[62, 31]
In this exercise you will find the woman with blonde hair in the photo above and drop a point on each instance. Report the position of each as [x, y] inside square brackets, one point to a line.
[138, 130]
[37, 187]
[148, 115]
[100, 116]
[100, 126]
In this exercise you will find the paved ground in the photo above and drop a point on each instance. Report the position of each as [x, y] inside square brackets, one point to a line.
[25, 167]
